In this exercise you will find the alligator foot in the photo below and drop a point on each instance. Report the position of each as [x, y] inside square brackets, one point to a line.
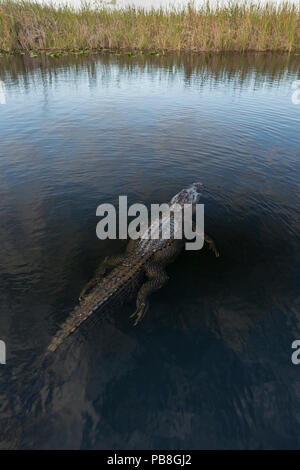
[157, 278]
[211, 245]
[209, 241]
[88, 287]
[140, 312]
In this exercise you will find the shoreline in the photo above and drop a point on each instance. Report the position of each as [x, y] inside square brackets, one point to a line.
[56, 54]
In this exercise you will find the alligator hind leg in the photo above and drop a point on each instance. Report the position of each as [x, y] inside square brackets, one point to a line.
[157, 277]
[108, 262]
[131, 246]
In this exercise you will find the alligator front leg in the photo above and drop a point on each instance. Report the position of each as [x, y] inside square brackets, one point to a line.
[157, 277]
[108, 262]
[210, 242]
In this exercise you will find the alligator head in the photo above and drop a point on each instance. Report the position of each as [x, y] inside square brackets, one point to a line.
[190, 195]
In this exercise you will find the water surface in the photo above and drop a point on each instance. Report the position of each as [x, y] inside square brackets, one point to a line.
[210, 365]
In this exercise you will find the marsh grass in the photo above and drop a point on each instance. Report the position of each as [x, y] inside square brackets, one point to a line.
[30, 26]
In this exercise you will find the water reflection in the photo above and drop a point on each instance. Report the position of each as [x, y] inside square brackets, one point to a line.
[210, 366]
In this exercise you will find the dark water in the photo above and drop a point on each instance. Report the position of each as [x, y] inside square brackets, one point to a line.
[210, 366]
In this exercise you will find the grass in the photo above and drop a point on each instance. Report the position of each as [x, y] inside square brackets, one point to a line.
[30, 26]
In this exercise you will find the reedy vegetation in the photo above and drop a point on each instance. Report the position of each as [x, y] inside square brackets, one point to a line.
[30, 26]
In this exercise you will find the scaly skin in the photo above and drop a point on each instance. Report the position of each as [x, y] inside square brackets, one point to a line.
[143, 258]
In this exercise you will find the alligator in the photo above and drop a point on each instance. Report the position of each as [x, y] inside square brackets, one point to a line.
[138, 272]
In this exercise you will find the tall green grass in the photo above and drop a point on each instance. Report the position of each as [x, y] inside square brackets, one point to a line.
[27, 25]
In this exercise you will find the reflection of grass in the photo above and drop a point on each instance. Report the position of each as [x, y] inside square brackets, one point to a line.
[30, 26]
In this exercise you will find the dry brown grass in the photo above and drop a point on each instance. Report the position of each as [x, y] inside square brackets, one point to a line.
[30, 26]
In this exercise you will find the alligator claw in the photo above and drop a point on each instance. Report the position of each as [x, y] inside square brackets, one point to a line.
[139, 313]
[88, 288]
[214, 249]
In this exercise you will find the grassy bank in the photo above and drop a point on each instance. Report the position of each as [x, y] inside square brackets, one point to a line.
[29, 26]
